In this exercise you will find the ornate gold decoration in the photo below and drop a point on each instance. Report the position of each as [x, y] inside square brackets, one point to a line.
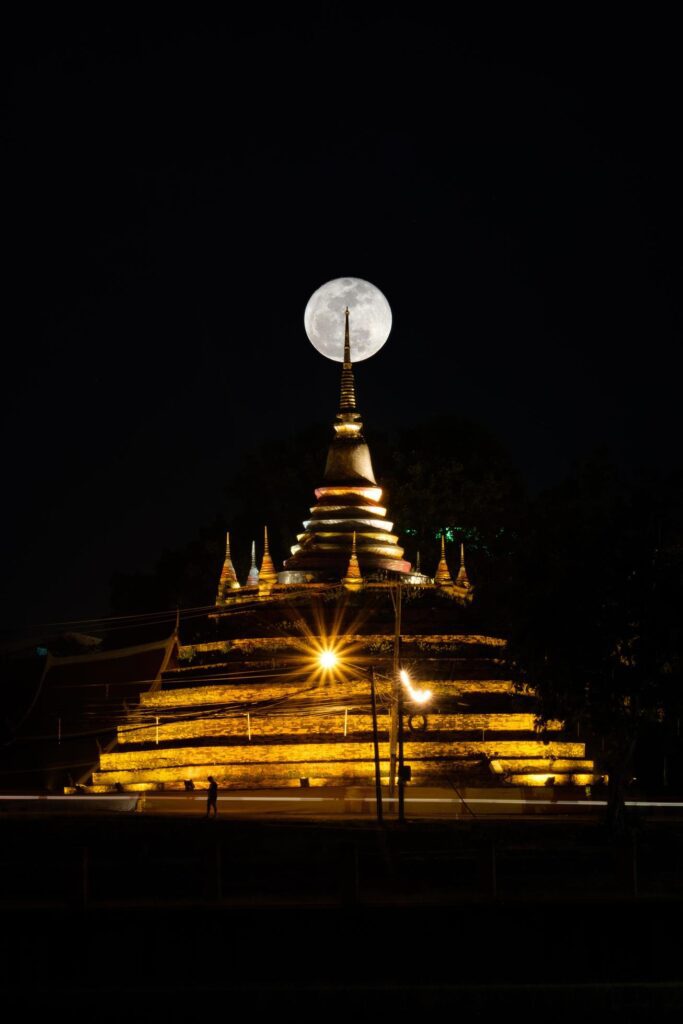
[228, 580]
[462, 579]
[267, 576]
[252, 578]
[348, 503]
[442, 576]
[353, 579]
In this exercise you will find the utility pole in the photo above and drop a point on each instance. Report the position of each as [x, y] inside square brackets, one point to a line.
[401, 765]
[395, 704]
[378, 777]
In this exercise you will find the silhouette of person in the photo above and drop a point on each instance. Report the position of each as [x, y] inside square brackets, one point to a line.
[212, 797]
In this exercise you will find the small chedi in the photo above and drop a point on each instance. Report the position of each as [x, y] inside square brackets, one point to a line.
[272, 687]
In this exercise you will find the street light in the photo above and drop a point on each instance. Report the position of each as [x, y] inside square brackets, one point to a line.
[328, 659]
[375, 742]
[417, 697]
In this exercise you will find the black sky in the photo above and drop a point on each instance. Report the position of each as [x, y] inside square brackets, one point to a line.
[174, 192]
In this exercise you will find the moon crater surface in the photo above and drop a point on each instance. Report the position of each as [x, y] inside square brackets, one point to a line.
[369, 318]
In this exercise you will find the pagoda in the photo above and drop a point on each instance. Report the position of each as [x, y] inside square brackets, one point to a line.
[348, 504]
[248, 702]
[228, 580]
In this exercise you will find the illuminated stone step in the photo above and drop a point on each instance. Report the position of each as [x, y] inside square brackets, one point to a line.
[255, 776]
[145, 761]
[463, 686]
[312, 724]
[354, 691]
[580, 778]
[357, 800]
[303, 671]
[559, 764]
[422, 643]
[244, 693]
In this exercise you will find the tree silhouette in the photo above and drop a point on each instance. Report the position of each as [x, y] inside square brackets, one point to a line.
[596, 622]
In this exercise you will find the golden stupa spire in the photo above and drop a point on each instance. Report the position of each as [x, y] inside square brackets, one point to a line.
[443, 577]
[462, 579]
[267, 576]
[348, 502]
[353, 579]
[347, 401]
[348, 459]
[228, 580]
[252, 578]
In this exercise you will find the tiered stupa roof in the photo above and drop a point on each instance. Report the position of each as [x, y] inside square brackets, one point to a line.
[462, 579]
[348, 503]
[268, 575]
[442, 576]
[253, 577]
[353, 579]
[228, 580]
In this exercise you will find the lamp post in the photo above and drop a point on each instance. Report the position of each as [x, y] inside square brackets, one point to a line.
[375, 744]
[417, 697]
[328, 660]
[401, 763]
[395, 716]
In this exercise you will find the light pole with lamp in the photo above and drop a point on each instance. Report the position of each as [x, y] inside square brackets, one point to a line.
[418, 697]
[329, 660]
[395, 729]
[375, 743]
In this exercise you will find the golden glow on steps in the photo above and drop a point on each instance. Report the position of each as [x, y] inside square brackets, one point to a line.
[234, 727]
[174, 758]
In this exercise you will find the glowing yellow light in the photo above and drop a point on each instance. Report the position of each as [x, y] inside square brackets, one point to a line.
[419, 696]
[328, 659]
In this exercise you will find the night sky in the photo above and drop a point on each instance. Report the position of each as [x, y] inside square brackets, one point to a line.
[175, 191]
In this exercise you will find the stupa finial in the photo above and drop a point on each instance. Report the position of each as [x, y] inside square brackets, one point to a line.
[252, 578]
[267, 576]
[442, 576]
[462, 579]
[353, 579]
[348, 501]
[348, 385]
[228, 580]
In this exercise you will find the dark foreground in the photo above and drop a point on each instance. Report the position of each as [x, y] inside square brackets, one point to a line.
[121, 915]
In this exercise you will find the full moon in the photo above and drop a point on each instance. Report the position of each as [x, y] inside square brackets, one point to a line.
[369, 318]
